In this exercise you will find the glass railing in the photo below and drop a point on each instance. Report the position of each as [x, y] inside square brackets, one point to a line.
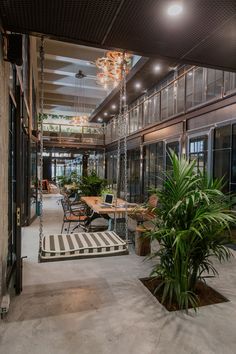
[193, 88]
[91, 134]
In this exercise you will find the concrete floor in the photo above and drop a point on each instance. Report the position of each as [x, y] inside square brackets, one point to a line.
[98, 306]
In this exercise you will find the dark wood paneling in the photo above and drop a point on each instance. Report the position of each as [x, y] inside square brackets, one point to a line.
[161, 134]
[213, 117]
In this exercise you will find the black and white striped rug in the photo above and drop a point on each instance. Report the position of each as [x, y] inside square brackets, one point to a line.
[81, 245]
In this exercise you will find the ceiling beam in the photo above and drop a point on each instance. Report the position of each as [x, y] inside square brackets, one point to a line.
[68, 98]
[64, 51]
[71, 91]
[69, 104]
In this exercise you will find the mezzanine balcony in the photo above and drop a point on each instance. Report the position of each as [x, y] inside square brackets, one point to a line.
[67, 135]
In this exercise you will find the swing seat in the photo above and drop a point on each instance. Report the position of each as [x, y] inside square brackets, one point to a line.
[81, 245]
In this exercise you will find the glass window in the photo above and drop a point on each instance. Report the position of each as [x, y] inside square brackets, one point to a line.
[229, 82]
[189, 89]
[134, 175]
[156, 114]
[222, 151]
[152, 109]
[146, 112]
[154, 165]
[222, 137]
[170, 100]
[180, 90]
[198, 87]
[198, 151]
[108, 133]
[214, 83]
[164, 103]
[135, 118]
[174, 147]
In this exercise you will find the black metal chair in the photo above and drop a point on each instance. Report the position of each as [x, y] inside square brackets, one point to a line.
[71, 215]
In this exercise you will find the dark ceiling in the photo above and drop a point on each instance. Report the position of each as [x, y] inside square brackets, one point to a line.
[204, 34]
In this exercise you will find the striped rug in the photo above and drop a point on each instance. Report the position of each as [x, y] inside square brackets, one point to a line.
[81, 245]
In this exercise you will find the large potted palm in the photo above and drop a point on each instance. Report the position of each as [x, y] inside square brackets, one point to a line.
[192, 218]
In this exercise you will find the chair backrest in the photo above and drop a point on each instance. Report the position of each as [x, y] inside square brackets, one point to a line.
[152, 201]
[65, 206]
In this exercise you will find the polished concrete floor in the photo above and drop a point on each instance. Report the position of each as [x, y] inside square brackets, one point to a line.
[99, 306]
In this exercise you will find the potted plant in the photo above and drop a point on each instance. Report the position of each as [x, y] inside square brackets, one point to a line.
[191, 219]
[92, 184]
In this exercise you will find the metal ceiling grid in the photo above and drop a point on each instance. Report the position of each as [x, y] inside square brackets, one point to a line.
[77, 20]
[199, 35]
[159, 34]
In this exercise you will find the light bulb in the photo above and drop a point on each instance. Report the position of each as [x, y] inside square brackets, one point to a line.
[175, 9]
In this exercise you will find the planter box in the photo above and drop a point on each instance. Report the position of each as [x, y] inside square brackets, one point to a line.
[142, 244]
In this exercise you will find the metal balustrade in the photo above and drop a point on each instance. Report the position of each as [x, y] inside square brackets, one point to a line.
[191, 89]
[91, 134]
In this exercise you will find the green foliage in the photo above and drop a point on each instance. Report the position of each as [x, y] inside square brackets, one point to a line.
[62, 180]
[192, 217]
[92, 184]
[105, 191]
[53, 116]
[73, 178]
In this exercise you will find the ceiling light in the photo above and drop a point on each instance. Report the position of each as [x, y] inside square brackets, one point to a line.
[100, 120]
[190, 73]
[138, 85]
[157, 68]
[175, 9]
[123, 97]
[105, 114]
[173, 68]
[110, 67]
[113, 106]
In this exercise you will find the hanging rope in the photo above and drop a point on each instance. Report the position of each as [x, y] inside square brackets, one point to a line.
[41, 142]
[125, 119]
[119, 133]
[122, 121]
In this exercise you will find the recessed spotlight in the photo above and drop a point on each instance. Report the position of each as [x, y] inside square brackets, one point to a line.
[175, 9]
[123, 97]
[138, 85]
[105, 114]
[190, 73]
[173, 68]
[157, 68]
[113, 106]
[100, 120]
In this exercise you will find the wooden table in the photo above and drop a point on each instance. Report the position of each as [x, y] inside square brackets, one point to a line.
[95, 203]
[107, 212]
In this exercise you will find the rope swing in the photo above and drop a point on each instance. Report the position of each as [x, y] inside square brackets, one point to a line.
[122, 130]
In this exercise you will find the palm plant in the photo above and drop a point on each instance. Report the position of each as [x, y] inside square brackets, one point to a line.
[192, 217]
